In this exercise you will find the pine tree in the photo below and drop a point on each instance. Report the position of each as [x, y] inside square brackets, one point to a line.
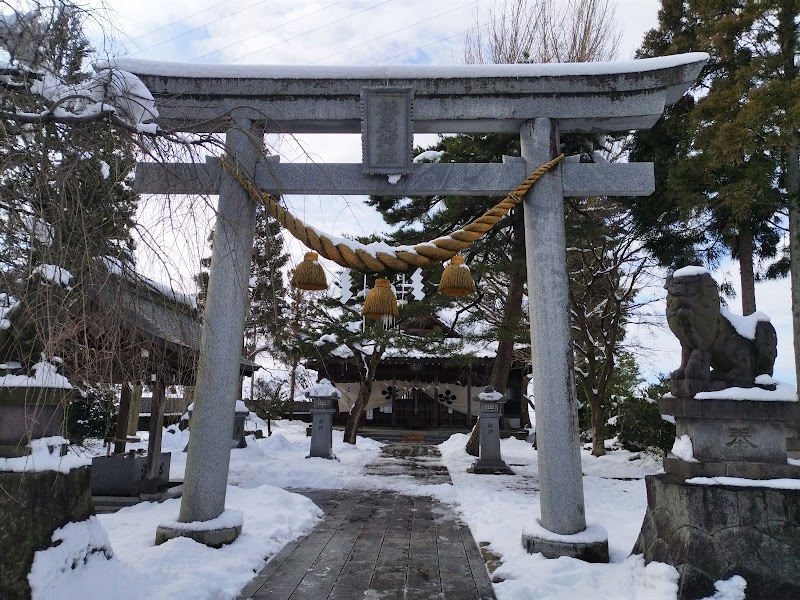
[268, 306]
[337, 324]
[517, 32]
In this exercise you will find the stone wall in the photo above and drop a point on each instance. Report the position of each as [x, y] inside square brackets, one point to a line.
[714, 532]
[32, 507]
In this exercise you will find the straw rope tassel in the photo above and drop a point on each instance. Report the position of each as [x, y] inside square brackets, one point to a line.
[309, 274]
[456, 278]
[381, 301]
[423, 255]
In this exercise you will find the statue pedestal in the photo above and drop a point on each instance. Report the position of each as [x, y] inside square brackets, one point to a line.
[732, 438]
[711, 529]
[712, 532]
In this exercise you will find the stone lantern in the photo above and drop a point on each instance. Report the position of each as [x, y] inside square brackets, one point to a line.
[324, 402]
[491, 409]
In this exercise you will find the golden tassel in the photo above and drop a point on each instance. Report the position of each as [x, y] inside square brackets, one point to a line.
[456, 278]
[380, 301]
[309, 274]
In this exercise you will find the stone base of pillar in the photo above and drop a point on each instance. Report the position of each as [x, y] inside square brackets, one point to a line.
[590, 545]
[213, 538]
[329, 457]
[712, 532]
[490, 467]
[214, 533]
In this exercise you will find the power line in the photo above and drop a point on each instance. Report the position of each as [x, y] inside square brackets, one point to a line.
[444, 39]
[266, 31]
[236, 12]
[178, 21]
[394, 32]
[310, 31]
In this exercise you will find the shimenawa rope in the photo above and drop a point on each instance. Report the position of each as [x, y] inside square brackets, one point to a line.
[400, 259]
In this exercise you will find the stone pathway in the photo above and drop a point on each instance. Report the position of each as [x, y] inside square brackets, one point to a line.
[378, 545]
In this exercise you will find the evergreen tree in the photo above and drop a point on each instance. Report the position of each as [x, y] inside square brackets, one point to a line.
[269, 314]
[66, 188]
[721, 152]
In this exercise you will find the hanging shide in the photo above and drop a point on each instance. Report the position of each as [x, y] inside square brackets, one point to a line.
[380, 301]
[456, 278]
[309, 274]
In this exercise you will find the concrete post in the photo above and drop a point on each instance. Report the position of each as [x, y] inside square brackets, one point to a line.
[217, 383]
[322, 409]
[490, 461]
[560, 475]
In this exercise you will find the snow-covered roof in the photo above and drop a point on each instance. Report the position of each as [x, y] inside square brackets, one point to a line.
[226, 71]
[595, 96]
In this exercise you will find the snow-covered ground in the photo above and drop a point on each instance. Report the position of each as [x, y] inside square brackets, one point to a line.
[496, 508]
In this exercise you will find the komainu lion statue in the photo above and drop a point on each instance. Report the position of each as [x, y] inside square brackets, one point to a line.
[710, 341]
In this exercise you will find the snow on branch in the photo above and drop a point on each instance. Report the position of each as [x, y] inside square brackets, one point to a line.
[109, 93]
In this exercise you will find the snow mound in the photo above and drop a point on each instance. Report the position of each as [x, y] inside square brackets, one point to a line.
[76, 545]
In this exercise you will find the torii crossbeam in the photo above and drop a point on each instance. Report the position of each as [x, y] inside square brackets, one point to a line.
[387, 105]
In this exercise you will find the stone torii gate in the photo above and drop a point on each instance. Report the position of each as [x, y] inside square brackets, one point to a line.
[387, 105]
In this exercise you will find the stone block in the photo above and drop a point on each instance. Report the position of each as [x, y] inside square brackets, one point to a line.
[710, 533]
[594, 552]
[736, 439]
[28, 413]
[32, 506]
[124, 474]
[490, 468]
[747, 470]
[214, 538]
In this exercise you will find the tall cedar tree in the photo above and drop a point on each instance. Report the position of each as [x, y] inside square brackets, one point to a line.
[724, 154]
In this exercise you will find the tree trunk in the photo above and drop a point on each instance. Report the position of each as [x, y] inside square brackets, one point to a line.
[793, 189]
[512, 311]
[354, 418]
[746, 270]
[292, 384]
[598, 427]
[512, 315]
[364, 392]
[788, 32]
[473, 447]
[133, 413]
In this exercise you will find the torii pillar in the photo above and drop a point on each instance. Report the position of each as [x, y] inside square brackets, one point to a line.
[217, 386]
[535, 100]
[559, 458]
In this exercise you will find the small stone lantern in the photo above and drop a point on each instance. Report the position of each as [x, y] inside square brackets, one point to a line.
[324, 402]
[491, 410]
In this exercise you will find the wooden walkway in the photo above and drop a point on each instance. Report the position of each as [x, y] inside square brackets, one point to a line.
[377, 545]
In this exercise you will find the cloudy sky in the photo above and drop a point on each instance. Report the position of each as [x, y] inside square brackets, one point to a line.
[348, 32]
